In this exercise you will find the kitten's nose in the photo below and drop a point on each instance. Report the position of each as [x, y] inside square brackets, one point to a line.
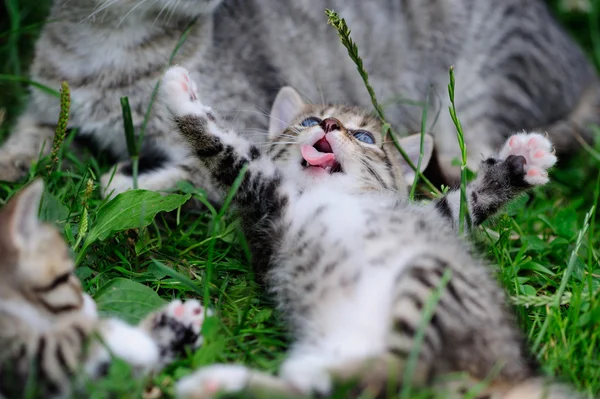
[330, 124]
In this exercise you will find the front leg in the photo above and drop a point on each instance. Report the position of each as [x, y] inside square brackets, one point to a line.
[522, 164]
[218, 379]
[223, 152]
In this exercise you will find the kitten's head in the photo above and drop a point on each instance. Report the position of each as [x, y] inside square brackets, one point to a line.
[35, 262]
[317, 143]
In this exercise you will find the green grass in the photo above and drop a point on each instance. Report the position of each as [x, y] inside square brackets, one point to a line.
[185, 254]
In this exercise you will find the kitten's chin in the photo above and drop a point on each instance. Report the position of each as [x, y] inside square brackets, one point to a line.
[318, 170]
[315, 171]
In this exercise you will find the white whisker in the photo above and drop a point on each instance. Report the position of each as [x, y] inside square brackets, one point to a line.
[130, 11]
[161, 11]
[100, 8]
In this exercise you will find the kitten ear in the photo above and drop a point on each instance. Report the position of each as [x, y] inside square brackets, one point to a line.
[412, 147]
[287, 105]
[24, 221]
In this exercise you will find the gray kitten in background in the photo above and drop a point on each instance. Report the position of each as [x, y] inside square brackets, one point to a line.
[515, 69]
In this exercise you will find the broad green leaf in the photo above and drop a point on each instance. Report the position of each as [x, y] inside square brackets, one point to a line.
[178, 276]
[528, 290]
[52, 210]
[534, 243]
[131, 209]
[127, 300]
[537, 267]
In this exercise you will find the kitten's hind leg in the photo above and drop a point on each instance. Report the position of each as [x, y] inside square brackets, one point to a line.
[176, 328]
[158, 340]
[218, 379]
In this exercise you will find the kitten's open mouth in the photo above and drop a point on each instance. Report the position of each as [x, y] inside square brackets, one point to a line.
[320, 155]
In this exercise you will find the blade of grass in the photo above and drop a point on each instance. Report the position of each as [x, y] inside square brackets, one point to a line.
[464, 211]
[591, 232]
[211, 246]
[423, 127]
[177, 276]
[343, 31]
[12, 6]
[132, 147]
[594, 18]
[45, 89]
[427, 315]
[559, 293]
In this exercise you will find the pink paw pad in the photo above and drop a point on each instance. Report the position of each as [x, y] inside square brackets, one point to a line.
[179, 310]
[179, 92]
[212, 387]
[538, 154]
[189, 313]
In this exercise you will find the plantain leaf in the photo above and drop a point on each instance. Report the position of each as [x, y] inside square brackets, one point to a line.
[128, 210]
[128, 300]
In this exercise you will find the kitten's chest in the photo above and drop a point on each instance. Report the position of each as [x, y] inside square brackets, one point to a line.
[328, 235]
[326, 217]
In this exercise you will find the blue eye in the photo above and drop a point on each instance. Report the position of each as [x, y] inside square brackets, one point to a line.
[364, 136]
[310, 122]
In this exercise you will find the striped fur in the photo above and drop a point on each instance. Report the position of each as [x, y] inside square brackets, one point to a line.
[48, 324]
[515, 69]
[352, 264]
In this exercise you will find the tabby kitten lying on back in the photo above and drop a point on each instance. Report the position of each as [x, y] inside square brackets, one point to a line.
[351, 262]
[46, 320]
[515, 69]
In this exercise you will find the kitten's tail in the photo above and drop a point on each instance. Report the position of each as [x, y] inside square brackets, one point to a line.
[567, 133]
[534, 388]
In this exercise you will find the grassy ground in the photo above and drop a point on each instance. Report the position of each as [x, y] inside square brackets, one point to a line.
[134, 265]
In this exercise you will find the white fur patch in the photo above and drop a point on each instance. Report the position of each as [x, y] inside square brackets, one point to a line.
[129, 343]
[213, 380]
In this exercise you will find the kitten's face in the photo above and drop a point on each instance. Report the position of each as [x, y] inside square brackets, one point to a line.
[315, 144]
[333, 143]
[34, 259]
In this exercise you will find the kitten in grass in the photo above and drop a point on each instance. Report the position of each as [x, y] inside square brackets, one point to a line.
[49, 326]
[515, 69]
[352, 264]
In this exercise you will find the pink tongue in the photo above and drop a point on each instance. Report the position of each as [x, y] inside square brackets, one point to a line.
[315, 157]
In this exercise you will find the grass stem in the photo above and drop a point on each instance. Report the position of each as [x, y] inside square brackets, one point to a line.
[464, 211]
[344, 33]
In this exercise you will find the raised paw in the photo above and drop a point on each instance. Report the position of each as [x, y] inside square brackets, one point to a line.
[537, 152]
[177, 328]
[212, 381]
[179, 93]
